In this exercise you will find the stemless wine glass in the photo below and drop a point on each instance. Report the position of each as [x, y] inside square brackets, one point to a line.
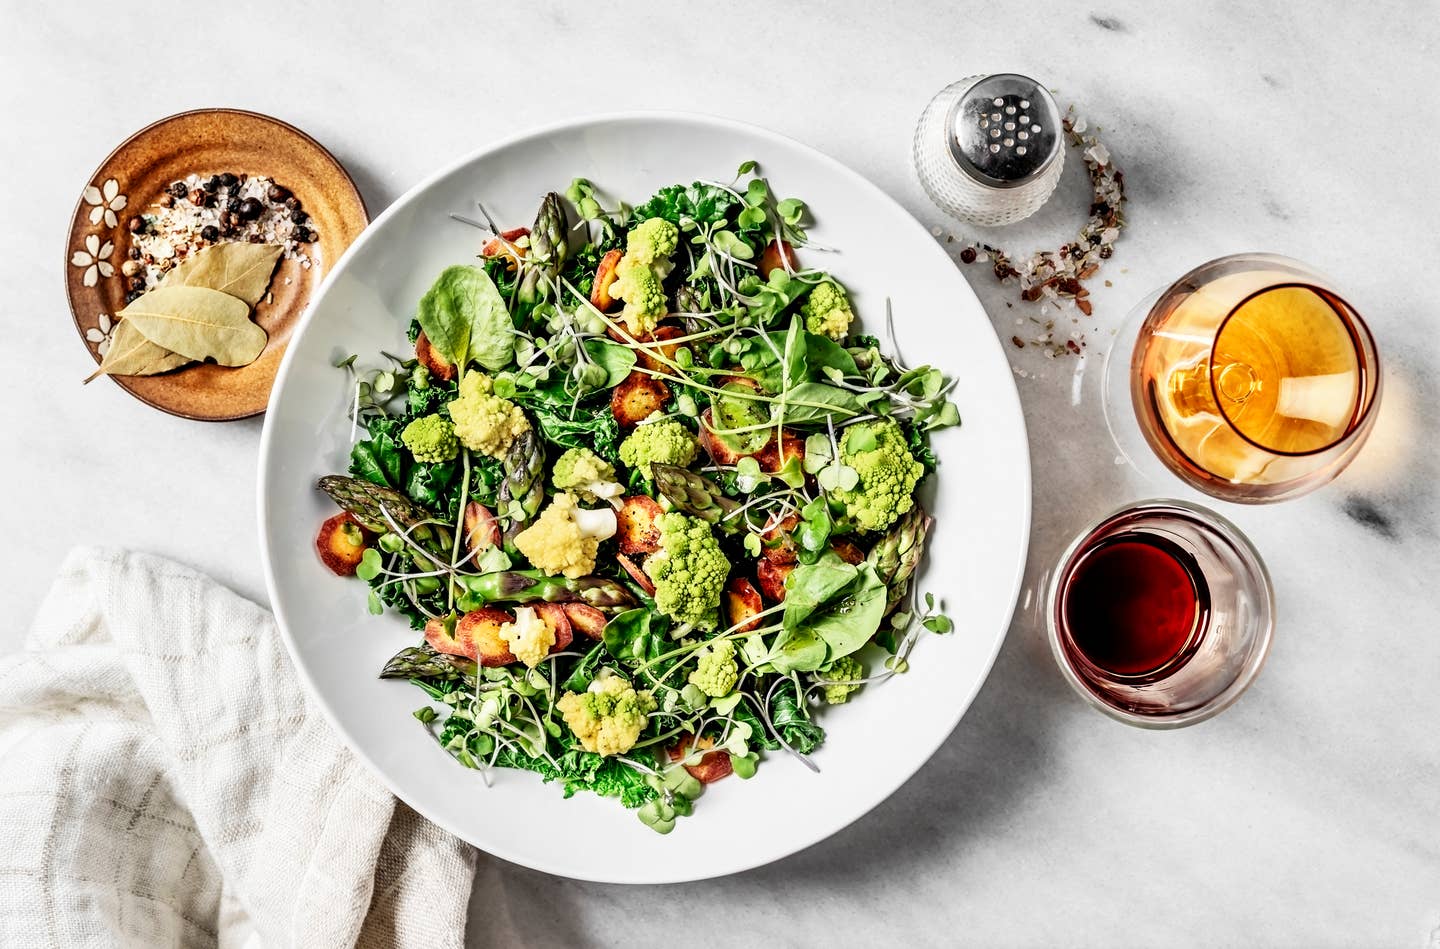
[1224, 642]
[1252, 379]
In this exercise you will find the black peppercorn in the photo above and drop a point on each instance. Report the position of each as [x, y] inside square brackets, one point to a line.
[136, 225]
[227, 220]
[967, 256]
[178, 189]
[137, 282]
[211, 184]
[299, 217]
[229, 180]
[134, 253]
[301, 235]
[232, 203]
[132, 296]
[279, 194]
[1106, 252]
[210, 233]
[199, 197]
[249, 209]
[310, 236]
[293, 203]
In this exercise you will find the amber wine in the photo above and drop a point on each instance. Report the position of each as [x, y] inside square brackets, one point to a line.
[1249, 376]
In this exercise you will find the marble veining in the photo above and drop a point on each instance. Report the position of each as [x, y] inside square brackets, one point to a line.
[1309, 814]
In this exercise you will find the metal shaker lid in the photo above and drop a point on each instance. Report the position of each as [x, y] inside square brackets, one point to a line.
[1004, 130]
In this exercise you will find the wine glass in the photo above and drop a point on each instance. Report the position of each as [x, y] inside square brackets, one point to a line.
[1251, 378]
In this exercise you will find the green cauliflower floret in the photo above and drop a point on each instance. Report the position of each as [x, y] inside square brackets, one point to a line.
[586, 475]
[689, 570]
[716, 670]
[431, 438]
[484, 422]
[664, 441]
[827, 310]
[640, 275]
[888, 475]
[841, 679]
[609, 716]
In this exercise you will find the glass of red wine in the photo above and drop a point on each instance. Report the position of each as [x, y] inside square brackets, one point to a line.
[1161, 614]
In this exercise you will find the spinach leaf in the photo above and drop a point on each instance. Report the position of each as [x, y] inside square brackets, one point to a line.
[465, 318]
[853, 619]
[593, 425]
[797, 650]
[811, 585]
[822, 401]
[759, 734]
[792, 720]
[584, 670]
[822, 352]
[616, 360]
[636, 635]
[705, 204]
[428, 484]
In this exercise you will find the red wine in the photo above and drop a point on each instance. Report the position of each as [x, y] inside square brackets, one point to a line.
[1134, 603]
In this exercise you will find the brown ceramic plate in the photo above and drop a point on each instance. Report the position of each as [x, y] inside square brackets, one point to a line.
[134, 177]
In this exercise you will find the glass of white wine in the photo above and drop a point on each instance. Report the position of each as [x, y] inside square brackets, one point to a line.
[1252, 379]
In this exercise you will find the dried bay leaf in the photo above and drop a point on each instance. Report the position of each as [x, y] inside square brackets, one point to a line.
[131, 354]
[198, 323]
[239, 269]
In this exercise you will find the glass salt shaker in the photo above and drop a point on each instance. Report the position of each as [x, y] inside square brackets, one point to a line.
[989, 149]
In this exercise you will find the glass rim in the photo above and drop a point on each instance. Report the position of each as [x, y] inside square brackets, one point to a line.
[1225, 530]
[1352, 322]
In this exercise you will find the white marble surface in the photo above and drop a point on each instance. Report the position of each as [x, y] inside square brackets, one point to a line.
[1307, 815]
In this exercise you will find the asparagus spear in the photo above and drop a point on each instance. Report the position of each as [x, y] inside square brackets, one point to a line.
[899, 552]
[423, 662]
[696, 495]
[548, 249]
[365, 500]
[530, 586]
[524, 478]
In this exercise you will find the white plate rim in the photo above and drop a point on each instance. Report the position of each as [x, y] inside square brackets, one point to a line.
[1011, 406]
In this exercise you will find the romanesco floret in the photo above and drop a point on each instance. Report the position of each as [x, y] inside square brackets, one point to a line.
[586, 475]
[841, 679]
[565, 537]
[716, 670]
[529, 637]
[827, 310]
[664, 441]
[484, 422]
[640, 275]
[609, 716]
[431, 439]
[689, 570]
[888, 475]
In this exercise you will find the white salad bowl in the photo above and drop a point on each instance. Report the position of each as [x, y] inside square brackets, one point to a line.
[980, 499]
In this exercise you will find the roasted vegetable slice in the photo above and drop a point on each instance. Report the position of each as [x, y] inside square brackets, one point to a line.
[771, 578]
[636, 529]
[775, 256]
[341, 543]
[559, 619]
[586, 619]
[429, 357]
[478, 632]
[742, 604]
[600, 297]
[709, 767]
[637, 398]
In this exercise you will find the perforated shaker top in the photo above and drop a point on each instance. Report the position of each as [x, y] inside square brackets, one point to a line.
[1004, 130]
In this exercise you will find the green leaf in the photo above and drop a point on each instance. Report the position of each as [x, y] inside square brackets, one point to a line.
[825, 356]
[198, 323]
[370, 565]
[465, 318]
[636, 635]
[849, 623]
[938, 624]
[791, 210]
[752, 544]
[797, 650]
[811, 585]
[745, 168]
[616, 360]
[817, 401]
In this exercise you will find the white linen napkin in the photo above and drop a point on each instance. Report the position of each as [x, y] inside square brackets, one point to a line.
[165, 782]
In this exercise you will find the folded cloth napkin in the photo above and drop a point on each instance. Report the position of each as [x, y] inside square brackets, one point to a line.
[165, 782]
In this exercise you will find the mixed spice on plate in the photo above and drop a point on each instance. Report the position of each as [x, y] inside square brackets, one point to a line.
[647, 491]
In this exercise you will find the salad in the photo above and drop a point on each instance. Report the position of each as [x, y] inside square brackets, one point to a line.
[647, 491]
